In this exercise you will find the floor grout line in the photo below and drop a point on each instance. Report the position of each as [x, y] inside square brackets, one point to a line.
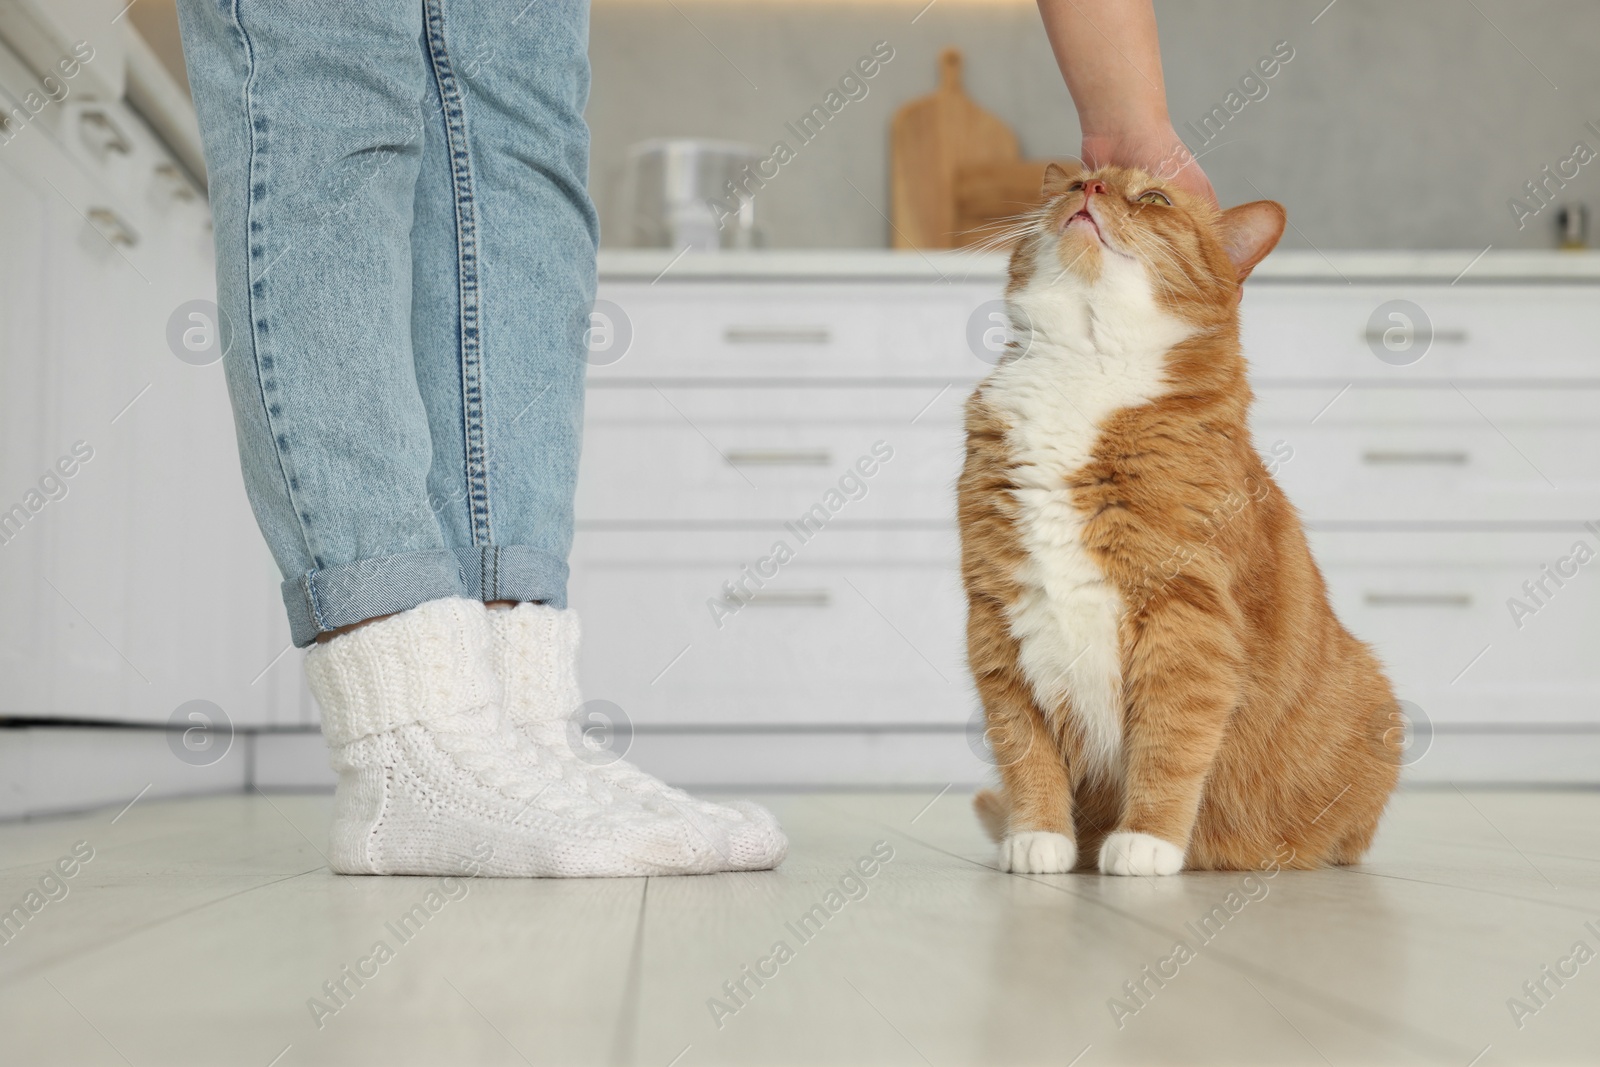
[88, 950]
[101, 850]
[623, 1050]
[1470, 889]
[1532, 851]
[1434, 842]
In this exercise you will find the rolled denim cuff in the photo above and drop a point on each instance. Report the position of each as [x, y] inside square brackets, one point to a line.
[513, 572]
[323, 600]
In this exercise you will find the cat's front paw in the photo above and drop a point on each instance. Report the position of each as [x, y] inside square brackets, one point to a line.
[1037, 852]
[1125, 852]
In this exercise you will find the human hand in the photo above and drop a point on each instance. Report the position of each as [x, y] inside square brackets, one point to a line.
[1158, 151]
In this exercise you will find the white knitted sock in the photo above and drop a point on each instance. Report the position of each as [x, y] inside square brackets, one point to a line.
[536, 658]
[434, 781]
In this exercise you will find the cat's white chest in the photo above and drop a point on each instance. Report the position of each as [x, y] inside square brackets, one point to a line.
[1081, 366]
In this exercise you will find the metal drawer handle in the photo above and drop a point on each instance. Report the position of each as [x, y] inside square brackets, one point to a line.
[1419, 600]
[1450, 459]
[175, 182]
[780, 457]
[777, 335]
[103, 135]
[796, 598]
[1448, 337]
[112, 227]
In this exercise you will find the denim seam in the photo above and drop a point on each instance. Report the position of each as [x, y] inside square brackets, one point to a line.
[310, 583]
[513, 572]
[452, 110]
[252, 252]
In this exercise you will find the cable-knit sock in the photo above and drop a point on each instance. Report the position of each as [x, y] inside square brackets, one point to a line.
[434, 781]
[536, 658]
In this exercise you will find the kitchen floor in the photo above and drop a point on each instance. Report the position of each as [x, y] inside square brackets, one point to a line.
[203, 931]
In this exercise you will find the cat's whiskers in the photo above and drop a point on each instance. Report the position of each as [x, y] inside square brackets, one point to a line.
[1190, 267]
[1013, 229]
[1184, 270]
[1148, 248]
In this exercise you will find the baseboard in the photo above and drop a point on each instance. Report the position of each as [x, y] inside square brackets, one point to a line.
[47, 770]
[291, 760]
[50, 770]
[1494, 755]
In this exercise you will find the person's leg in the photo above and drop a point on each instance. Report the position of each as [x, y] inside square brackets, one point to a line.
[312, 118]
[505, 239]
[503, 280]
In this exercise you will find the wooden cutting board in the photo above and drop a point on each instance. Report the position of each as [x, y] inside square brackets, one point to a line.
[931, 140]
[990, 196]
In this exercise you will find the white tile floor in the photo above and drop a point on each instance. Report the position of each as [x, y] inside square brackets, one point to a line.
[200, 930]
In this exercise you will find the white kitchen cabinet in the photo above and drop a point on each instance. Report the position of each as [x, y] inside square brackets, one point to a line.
[783, 332]
[146, 585]
[681, 453]
[48, 30]
[1489, 330]
[1435, 606]
[861, 627]
[1462, 472]
[1432, 488]
[24, 392]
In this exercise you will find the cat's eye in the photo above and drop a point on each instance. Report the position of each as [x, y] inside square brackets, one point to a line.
[1075, 187]
[1154, 197]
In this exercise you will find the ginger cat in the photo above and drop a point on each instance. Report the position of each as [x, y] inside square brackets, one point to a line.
[1164, 682]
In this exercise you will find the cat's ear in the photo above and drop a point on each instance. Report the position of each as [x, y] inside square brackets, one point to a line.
[1250, 231]
[1057, 177]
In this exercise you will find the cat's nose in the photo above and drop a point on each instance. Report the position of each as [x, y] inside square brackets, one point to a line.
[1094, 186]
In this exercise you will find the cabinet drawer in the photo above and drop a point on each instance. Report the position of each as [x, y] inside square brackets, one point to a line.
[771, 455]
[1458, 473]
[1494, 331]
[788, 330]
[838, 635]
[1437, 609]
[1443, 403]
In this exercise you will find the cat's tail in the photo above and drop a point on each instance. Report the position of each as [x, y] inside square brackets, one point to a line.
[990, 805]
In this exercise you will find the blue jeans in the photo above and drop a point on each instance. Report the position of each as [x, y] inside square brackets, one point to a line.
[405, 267]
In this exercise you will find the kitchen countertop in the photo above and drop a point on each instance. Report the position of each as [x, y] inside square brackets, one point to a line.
[1290, 265]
